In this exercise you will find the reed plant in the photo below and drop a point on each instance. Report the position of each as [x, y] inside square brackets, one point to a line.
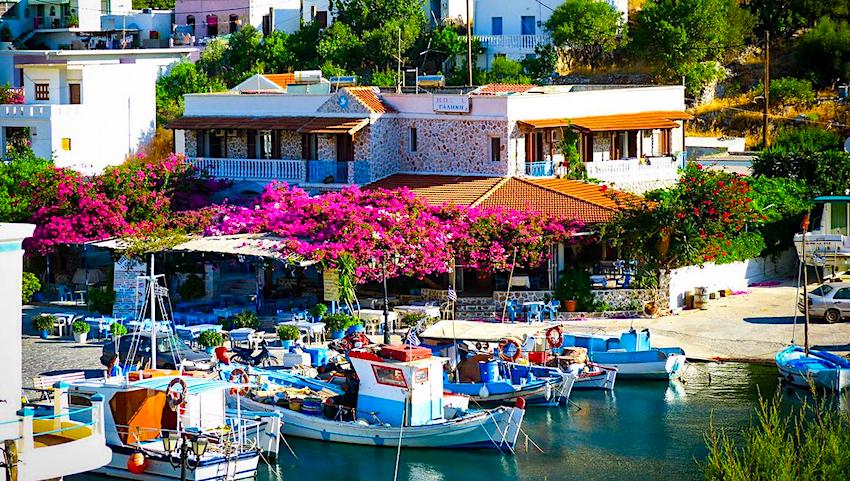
[811, 442]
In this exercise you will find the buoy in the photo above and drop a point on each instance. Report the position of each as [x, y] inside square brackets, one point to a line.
[520, 402]
[137, 463]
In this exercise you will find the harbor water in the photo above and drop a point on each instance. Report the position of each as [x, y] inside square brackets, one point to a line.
[640, 431]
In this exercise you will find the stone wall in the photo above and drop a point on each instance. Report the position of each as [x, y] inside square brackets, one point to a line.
[237, 145]
[191, 140]
[617, 299]
[449, 145]
[124, 276]
[327, 147]
[384, 149]
[290, 144]
[342, 102]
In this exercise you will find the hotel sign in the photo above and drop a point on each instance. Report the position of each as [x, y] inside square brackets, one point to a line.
[452, 104]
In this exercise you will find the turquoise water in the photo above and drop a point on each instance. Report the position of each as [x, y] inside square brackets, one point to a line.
[641, 431]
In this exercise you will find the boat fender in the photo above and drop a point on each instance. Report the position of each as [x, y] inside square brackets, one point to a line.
[555, 337]
[484, 392]
[137, 463]
[548, 391]
[503, 349]
[241, 377]
[520, 402]
[175, 397]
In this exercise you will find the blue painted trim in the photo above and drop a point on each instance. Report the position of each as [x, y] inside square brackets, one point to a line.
[10, 246]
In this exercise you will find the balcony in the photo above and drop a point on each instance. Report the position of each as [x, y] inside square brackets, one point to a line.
[293, 171]
[512, 43]
[54, 23]
[653, 171]
[539, 169]
[37, 111]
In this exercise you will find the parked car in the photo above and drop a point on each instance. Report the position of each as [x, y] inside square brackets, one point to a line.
[830, 302]
[190, 359]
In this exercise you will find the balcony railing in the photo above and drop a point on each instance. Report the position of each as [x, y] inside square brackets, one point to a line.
[539, 169]
[38, 111]
[47, 23]
[524, 43]
[629, 171]
[295, 171]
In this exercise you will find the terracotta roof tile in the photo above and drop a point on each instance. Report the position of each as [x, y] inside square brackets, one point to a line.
[602, 123]
[572, 199]
[370, 98]
[496, 89]
[280, 79]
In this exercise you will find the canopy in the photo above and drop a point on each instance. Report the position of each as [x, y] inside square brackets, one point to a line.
[607, 123]
[482, 331]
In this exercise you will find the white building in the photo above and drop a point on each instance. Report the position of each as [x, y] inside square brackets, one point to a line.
[51, 21]
[46, 447]
[86, 109]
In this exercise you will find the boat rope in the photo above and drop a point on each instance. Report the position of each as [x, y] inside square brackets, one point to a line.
[496, 424]
[528, 438]
[286, 443]
[275, 470]
[400, 434]
[796, 300]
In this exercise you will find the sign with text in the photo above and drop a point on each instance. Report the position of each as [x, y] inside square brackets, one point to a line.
[330, 280]
[454, 104]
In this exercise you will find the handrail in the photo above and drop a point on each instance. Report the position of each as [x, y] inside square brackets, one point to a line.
[64, 414]
[69, 428]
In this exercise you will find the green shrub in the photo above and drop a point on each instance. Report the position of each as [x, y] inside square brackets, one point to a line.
[288, 333]
[29, 286]
[43, 322]
[210, 339]
[319, 310]
[100, 300]
[824, 50]
[575, 285]
[339, 321]
[411, 319]
[117, 329]
[80, 327]
[791, 91]
[192, 288]
[243, 319]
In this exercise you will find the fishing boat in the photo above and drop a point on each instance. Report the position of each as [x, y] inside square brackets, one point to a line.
[828, 242]
[631, 354]
[146, 418]
[801, 366]
[398, 399]
[551, 389]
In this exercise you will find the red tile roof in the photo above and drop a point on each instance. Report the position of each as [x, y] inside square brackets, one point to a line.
[370, 98]
[280, 79]
[604, 123]
[496, 89]
[589, 203]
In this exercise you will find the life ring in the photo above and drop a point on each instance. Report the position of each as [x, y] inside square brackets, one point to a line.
[503, 346]
[173, 397]
[242, 377]
[555, 342]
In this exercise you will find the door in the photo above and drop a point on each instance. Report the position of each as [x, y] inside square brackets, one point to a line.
[632, 138]
[838, 218]
[528, 25]
[841, 300]
[74, 93]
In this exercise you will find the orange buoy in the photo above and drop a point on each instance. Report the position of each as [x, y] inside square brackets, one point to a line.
[137, 463]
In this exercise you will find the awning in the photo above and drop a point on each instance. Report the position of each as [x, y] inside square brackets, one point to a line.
[331, 125]
[481, 331]
[258, 123]
[607, 123]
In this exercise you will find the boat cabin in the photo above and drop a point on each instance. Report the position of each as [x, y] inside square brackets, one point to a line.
[828, 238]
[399, 392]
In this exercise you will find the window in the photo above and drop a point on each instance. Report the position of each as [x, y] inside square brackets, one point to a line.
[414, 141]
[842, 294]
[496, 26]
[216, 146]
[234, 23]
[212, 26]
[822, 290]
[389, 376]
[528, 25]
[322, 18]
[495, 149]
[838, 218]
[42, 91]
[74, 93]
[190, 21]
[421, 376]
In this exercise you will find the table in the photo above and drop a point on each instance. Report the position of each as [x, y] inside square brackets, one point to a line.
[82, 298]
[373, 318]
[101, 324]
[521, 281]
[316, 330]
[63, 320]
[430, 311]
[145, 325]
[243, 334]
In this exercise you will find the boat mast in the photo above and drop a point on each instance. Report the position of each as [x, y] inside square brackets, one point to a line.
[805, 286]
[153, 314]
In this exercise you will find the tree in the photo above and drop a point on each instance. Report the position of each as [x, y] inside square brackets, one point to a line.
[543, 63]
[157, 4]
[340, 46]
[243, 56]
[365, 15]
[383, 45]
[587, 30]
[184, 78]
[825, 50]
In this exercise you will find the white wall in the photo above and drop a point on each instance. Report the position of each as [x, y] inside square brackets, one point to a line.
[320, 5]
[253, 105]
[11, 264]
[287, 16]
[511, 12]
[583, 103]
[736, 276]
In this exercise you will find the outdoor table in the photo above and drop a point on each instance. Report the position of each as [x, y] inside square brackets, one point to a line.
[521, 281]
[373, 319]
[82, 298]
[315, 329]
[145, 325]
[100, 325]
[430, 311]
[243, 334]
[63, 320]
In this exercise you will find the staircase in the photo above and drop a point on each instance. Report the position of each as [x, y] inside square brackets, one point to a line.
[468, 308]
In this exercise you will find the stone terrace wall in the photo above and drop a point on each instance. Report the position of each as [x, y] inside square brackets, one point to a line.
[461, 146]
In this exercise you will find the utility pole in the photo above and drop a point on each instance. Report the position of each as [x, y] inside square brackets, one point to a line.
[398, 71]
[469, 42]
[765, 141]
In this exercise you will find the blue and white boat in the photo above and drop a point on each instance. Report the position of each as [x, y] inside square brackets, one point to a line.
[820, 368]
[632, 354]
[551, 389]
[397, 402]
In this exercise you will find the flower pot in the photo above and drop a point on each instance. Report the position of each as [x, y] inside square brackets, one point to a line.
[80, 337]
[44, 333]
[286, 344]
[570, 306]
[337, 334]
[209, 349]
[650, 308]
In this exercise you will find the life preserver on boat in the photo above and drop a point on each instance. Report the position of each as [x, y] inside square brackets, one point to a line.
[175, 397]
[503, 349]
[241, 377]
[554, 337]
[137, 463]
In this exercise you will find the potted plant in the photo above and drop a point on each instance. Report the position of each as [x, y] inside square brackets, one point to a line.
[210, 340]
[574, 290]
[43, 324]
[337, 323]
[288, 335]
[117, 330]
[245, 319]
[81, 331]
[318, 311]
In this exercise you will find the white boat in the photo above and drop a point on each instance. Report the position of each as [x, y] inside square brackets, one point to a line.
[819, 368]
[595, 376]
[828, 242]
[632, 354]
[398, 402]
[139, 420]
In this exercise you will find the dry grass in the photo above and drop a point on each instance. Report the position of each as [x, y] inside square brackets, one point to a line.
[744, 101]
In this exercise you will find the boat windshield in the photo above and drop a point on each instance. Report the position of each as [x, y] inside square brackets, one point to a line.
[822, 290]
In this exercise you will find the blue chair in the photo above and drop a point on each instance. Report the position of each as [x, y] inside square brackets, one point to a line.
[64, 293]
[534, 312]
[512, 308]
[552, 308]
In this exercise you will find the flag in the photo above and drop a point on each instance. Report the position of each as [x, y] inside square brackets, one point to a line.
[412, 339]
[452, 294]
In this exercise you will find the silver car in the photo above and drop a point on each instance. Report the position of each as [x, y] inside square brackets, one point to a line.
[831, 302]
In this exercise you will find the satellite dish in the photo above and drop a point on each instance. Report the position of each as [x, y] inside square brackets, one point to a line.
[847, 144]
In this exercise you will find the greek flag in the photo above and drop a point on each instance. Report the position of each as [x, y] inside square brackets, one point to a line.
[452, 294]
[412, 339]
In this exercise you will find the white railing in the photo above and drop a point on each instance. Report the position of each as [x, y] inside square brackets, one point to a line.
[512, 42]
[38, 111]
[253, 169]
[633, 170]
